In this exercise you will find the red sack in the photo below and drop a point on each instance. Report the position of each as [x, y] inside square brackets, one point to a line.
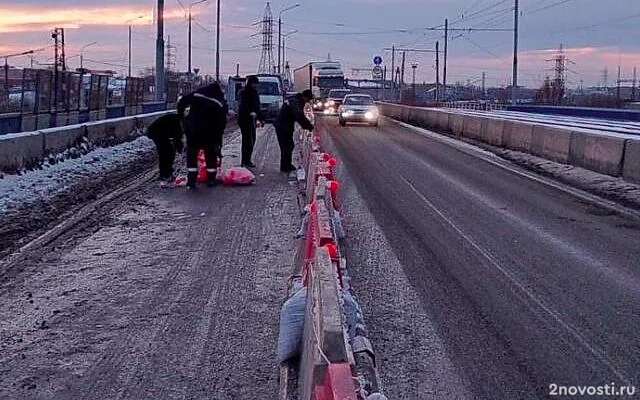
[238, 176]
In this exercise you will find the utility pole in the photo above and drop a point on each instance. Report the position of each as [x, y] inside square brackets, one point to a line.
[129, 69]
[414, 66]
[446, 47]
[514, 87]
[635, 81]
[237, 70]
[218, 41]
[404, 53]
[189, 45]
[484, 81]
[279, 41]
[618, 87]
[437, 73]
[393, 71]
[159, 84]
[384, 82]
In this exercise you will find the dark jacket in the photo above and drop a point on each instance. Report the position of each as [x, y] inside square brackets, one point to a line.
[249, 102]
[206, 116]
[167, 128]
[292, 111]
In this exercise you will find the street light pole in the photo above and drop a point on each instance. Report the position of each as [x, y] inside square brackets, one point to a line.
[6, 66]
[280, 62]
[284, 48]
[189, 51]
[82, 53]
[189, 45]
[159, 84]
[414, 66]
[129, 69]
[218, 41]
[130, 41]
[279, 42]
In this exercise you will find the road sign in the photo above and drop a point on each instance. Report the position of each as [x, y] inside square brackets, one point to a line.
[376, 72]
[377, 60]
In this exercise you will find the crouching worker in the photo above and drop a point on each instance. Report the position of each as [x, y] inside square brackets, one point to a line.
[292, 111]
[204, 118]
[166, 133]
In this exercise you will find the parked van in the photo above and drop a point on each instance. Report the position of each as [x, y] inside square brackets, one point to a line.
[271, 91]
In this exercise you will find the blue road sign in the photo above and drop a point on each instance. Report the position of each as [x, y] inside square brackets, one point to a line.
[377, 60]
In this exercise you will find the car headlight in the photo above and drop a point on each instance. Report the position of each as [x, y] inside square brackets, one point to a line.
[347, 113]
[371, 114]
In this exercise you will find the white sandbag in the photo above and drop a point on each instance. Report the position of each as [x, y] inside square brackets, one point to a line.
[291, 326]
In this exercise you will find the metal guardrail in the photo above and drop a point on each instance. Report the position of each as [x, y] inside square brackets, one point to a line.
[472, 105]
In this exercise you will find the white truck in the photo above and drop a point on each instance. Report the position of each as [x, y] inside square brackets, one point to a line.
[320, 77]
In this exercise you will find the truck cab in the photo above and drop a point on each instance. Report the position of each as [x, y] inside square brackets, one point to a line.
[271, 92]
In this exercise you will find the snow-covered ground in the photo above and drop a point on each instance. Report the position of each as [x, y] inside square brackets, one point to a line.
[33, 199]
[60, 178]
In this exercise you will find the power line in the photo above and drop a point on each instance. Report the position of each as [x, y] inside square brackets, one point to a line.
[548, 6]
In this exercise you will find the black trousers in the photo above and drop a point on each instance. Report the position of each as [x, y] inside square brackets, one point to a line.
[248, 130]
[166, 157]
[286, 143]
[211, 154]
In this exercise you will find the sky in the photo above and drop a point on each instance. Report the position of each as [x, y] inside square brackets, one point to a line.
[596, 35]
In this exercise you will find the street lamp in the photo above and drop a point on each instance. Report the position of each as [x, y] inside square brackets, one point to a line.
[6, 67]
[129, 23]
[82, 54]
[414, 66]
[280, 33]
[189, 50]
[284, 47]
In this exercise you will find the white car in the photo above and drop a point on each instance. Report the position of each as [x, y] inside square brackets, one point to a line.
[358, 108]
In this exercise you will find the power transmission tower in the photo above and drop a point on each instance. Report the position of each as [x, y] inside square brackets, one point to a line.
[559, 84]
[266, 59]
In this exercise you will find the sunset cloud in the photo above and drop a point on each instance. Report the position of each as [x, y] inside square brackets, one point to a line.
[14, 20]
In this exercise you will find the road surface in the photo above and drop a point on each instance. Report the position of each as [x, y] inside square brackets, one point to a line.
[168, 294]
[477, 282]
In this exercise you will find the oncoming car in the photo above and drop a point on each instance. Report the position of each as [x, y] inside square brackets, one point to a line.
[358, 108]
[334, 100]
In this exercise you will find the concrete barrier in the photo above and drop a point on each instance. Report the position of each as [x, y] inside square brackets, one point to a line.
[598, 153]
[606, 154]
[324, 339]
[20, 150]
[631, 167]
[493, 132]
[57, 140]
[442, 122]
[518, 136]
[24, 150]
[456, 124]
[551, 143]
[472, 126]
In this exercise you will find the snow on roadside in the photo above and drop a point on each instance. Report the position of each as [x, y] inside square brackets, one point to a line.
[54, 180]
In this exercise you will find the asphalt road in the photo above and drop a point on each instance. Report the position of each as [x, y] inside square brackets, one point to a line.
[494, 286]
[169, 294]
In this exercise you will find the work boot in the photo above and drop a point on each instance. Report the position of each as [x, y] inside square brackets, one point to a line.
[211, 179]
[192, 179]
